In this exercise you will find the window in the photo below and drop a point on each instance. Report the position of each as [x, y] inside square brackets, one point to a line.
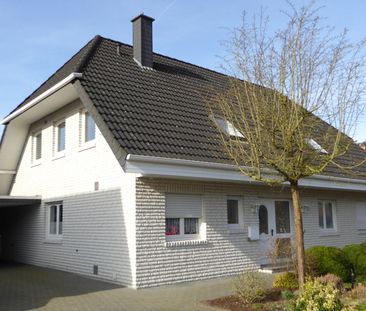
[37, 147]
[313, 144]
[234, 212]
[61, 133]
[228, 127]
[89, 128]
[263, 219]
[54, 220]
[326, 211]
[183, 216]
[361, 216]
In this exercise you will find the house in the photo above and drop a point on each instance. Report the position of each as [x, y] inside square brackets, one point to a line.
[112, 169]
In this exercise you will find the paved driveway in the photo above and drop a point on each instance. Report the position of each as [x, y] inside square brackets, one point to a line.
[24, 287]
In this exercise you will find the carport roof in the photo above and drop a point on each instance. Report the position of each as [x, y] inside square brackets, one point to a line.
[8, 201]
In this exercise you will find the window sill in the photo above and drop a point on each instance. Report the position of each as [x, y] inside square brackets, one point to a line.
[38, 163]
[52, 241]
[58, 156]
[330, 233]
[88, 145]
[185, 243]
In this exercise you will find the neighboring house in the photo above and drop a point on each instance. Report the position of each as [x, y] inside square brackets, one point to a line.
[113, 169]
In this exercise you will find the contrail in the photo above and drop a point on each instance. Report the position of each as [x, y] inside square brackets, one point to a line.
[165, 10]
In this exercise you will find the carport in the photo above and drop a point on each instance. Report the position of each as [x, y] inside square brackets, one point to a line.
[12, 210]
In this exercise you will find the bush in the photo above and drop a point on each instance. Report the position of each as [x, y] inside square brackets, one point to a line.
[286, 280]
[356, 254]
[250, 287]
[361, 279]
[322, 260]
[359, 292]
[287, 294]
[316, 296]
[335, 280]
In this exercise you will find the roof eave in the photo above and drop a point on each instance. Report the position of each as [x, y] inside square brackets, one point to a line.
[150, 166]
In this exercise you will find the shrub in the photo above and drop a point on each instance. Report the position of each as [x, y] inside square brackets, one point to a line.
[335, 280]
[287, 294]
[286, 280]
[322, 260]
[250, 287]
[359, 292]
[316, 296]
[356, 254]
[361, 279]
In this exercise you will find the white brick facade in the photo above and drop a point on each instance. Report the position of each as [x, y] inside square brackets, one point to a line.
[223, 253]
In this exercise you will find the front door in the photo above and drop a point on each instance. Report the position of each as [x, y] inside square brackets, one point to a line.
[275, 229]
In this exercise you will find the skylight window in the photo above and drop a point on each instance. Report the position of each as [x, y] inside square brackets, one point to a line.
[228, 127]
[312, 143]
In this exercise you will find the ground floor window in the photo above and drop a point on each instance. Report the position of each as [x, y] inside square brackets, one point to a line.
[183, 216]
[361, 216]
[326, 212]
[54, 220]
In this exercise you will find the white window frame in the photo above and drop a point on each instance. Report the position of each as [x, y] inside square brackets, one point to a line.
[82, 127]
[34, 148]
[361, 226]
[324, 229]
[58, 154]
[186, 237]
[54, 236]
[240, 224]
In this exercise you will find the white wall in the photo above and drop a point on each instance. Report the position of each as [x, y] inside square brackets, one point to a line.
[99, 226]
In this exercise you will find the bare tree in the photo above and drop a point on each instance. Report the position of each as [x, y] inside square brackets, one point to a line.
[292, 104]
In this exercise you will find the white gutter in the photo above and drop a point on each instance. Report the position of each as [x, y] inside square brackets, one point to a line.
[183, 162]
[45, 94]
[7, 172]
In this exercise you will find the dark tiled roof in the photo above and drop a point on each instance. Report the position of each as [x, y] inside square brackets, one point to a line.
[159, 112]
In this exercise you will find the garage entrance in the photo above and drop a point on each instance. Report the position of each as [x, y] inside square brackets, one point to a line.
[11, 211]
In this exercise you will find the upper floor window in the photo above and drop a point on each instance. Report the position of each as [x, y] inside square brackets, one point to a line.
[327, 216]
[89, 127]
[361, 216]
[61, 136]
[37, 147]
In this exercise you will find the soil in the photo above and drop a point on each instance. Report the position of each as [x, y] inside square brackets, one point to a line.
[233, 303]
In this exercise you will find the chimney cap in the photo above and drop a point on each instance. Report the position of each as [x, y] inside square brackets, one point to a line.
[142, 15]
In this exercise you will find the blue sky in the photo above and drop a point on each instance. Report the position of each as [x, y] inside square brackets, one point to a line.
[38, 36]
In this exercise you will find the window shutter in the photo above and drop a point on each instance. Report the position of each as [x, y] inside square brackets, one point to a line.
[183, 205]
[361, 215]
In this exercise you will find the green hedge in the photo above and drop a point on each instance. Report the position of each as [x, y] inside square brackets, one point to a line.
[356, 254]
[322, 260]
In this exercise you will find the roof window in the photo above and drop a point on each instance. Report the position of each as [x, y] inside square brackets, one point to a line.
[228, 127]
[312, 143]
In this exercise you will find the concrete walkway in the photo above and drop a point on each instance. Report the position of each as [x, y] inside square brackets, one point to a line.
[24, 287]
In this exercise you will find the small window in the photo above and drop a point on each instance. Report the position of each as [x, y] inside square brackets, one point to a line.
[37, 147]
[183, 216]
[61, 136]
[54, 220]
[263, 219]
[313, 144]
[228, 127]
[232, 211]
[326, 213]
[89, 128]
[361, 216]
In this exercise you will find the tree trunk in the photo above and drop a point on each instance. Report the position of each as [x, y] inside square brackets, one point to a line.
[299, 232]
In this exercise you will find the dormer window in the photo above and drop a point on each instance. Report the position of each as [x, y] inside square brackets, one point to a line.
[313, 144]
[87, 133]
[228, 127]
